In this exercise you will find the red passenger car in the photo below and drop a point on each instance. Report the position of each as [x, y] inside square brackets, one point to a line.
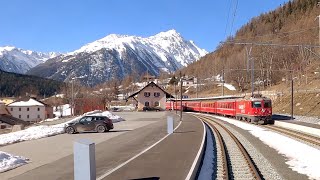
[255, 110]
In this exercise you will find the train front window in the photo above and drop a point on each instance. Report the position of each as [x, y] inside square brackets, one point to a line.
[267, 104]
[256, 104]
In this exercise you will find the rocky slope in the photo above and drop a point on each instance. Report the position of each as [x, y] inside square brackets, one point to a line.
[117, 56]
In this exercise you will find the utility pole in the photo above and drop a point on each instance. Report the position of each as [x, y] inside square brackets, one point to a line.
[222, 78]
[180, 97]
[319, 23]
[175, 91]
[72, 98]
[252, 68]
[197, 87]
[252, 77]
[292, 95]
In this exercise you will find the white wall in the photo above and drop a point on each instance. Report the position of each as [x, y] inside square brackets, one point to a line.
[35, 115]
[151, 99]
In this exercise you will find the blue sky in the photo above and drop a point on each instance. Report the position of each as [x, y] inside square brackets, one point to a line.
[66, 25]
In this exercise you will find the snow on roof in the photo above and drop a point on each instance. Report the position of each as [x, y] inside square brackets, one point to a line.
[30, 102]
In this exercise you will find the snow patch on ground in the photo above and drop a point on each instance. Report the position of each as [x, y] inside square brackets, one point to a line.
[228, 86]
[37, 132]
[124, 108]
[8, 161]
[301, 158]
[63, 110]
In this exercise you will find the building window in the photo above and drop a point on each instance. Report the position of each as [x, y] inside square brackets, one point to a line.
[38, 116]
[146, 104]
[156, 104]
[27, 109]
[28, 116]
[19, 116]
[156, 94]
[38, 109]
[19, 109]
[146, 94]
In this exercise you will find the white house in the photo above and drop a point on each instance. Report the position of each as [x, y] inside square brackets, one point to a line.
[30, 110]
[151, 96]
[6, 120]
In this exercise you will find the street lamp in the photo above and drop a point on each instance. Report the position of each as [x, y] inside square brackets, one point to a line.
[72, 97]
[181, 97]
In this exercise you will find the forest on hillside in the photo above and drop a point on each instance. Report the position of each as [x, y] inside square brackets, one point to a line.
[280, 45]
[12, 84]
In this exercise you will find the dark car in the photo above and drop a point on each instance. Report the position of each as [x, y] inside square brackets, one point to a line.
[148, 108]
[90, 123]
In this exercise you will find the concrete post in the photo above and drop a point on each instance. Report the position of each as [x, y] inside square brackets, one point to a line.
[84, 160]
[170, 125]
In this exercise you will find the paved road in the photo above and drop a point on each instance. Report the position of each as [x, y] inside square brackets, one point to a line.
[172, 158]
[52, 158]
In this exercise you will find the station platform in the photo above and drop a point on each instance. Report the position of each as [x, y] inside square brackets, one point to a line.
[309, 128]
[174, 157]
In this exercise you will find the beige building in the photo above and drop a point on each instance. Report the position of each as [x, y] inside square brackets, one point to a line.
[7, 100]
[30, 110]
[6, 120]
[151, 96]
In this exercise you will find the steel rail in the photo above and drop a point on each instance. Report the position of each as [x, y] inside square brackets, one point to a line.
[225, 163]
[251, 165]
[296, 134]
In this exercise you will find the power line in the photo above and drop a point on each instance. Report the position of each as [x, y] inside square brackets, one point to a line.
[234, 16]
[225, 31]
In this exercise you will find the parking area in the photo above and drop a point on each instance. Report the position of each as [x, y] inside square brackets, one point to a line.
[56, 149]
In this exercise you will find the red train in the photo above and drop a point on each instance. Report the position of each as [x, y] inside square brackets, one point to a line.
[255, 110]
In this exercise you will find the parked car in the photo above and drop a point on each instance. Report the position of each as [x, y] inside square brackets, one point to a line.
[90, 123]
[115, 109]
[148, 108]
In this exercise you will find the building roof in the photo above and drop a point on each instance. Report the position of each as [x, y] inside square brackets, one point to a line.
[8, 119]
[209, 98]
[150, 84]
[30, 102]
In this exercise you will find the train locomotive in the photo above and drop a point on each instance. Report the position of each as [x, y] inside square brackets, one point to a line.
[256, 109]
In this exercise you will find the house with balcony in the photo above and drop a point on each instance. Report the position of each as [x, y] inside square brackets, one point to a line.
[152, 96]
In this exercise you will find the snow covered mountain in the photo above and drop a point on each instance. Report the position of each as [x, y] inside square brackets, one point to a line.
[17, 60]
[116, 56]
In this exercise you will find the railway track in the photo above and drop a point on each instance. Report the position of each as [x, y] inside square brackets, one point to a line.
[233, 160]
[295, 134]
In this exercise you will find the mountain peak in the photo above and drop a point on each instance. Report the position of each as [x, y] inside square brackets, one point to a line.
[112, 37]
[18, 60]
[169, 33]
[7, 48]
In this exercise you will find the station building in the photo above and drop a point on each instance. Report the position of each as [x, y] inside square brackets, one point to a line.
[151, 96]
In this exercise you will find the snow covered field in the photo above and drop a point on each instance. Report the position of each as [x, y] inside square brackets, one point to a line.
[301, 158]
[124, 108]
[37, 132]
[9, 161]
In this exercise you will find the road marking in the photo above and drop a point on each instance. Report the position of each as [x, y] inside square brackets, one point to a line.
[134, 157]
[196, 161]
